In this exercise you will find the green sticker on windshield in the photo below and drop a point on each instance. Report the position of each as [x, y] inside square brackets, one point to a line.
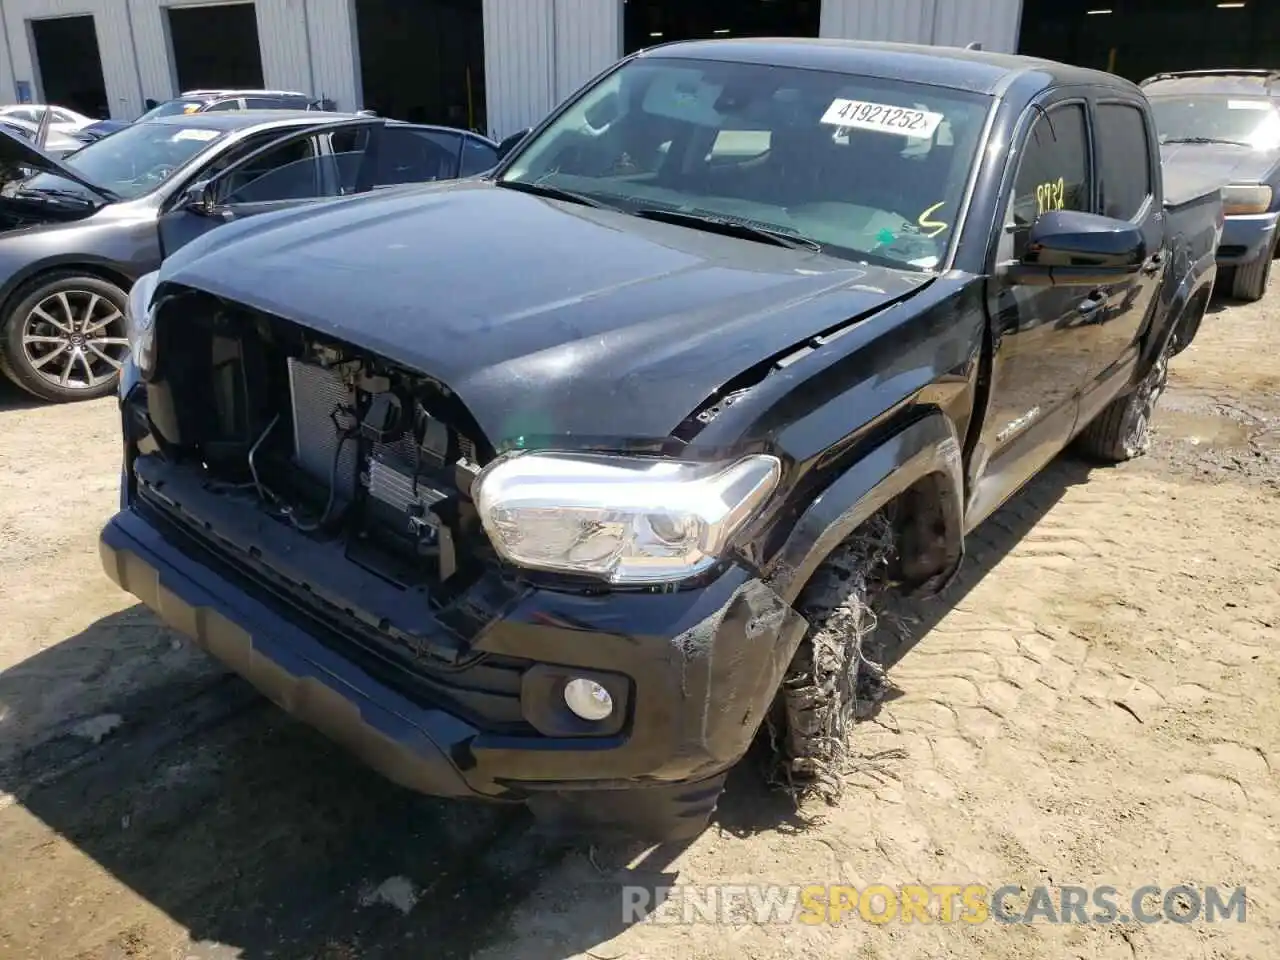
[886, 236]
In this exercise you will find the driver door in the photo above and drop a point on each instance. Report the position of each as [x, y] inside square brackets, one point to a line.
[297, 169]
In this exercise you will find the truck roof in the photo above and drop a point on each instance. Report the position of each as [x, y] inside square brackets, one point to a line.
[1255, 82]
[978, 71]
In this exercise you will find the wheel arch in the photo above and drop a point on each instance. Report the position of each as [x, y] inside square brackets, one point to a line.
[919, 470]
[29, 278]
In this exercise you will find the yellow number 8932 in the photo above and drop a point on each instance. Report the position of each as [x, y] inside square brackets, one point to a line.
[1051, 195]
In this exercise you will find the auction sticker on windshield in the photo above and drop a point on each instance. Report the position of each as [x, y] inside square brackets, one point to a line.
[883, 117]
[1248, 104]
[195, 133]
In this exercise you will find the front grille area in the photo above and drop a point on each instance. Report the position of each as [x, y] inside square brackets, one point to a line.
[483, 690]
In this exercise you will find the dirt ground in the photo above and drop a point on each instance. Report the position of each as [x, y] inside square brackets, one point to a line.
[1095, 701]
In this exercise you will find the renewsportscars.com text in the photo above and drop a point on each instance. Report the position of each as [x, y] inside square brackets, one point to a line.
[938, 903]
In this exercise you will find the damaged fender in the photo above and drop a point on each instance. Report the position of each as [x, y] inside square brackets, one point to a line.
[928, 447]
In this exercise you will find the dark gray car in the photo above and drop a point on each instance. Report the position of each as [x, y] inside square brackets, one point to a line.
[77, 232]
[1224, 125]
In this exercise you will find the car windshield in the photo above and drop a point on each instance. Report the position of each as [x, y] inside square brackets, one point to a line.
[173, 108]
[870, 169]
[1249, 121]
[131, 162]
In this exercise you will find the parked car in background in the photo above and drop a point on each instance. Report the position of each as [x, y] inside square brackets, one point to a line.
[57, 143]
[64, 120]
[204, 101]
[79, 231]
[1225, 124]
[550, 486]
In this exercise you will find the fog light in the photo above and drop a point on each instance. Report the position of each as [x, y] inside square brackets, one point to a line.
[588, 699]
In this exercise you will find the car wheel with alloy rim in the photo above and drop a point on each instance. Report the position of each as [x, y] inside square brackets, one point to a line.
[64, 337]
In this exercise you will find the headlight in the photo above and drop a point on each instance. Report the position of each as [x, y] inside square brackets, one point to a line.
[626, 520]
[140, 322]
[1240, 198]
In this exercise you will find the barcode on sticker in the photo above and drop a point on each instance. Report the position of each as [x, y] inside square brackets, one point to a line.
[883, 117]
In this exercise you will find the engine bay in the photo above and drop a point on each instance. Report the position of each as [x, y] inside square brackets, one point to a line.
[335, 443]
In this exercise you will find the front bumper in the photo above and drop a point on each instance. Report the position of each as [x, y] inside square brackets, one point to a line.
[702, 667]
[1246, 238]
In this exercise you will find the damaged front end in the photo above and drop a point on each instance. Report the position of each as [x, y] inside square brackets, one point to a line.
[305, 508]
[335, 479]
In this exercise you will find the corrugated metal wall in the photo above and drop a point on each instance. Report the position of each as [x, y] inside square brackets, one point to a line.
[115, 43]
[537, 52]
[335, 54]
[588, 40]
[306, 45]
[993, 23]
[519, 82]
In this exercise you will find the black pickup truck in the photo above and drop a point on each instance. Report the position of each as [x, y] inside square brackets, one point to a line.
[566, 511]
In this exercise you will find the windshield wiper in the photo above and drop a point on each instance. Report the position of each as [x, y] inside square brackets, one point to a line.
[55, 192]
[555, 193]
[730, 228]
[1237, 143]
[103, 192]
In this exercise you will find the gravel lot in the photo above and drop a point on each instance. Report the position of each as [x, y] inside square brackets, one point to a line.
[1096, 700]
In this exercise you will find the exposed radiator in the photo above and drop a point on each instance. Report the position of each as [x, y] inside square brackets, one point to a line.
[391, 481]
[317, 394]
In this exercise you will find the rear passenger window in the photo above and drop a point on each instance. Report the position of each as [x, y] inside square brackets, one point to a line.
[1124, 164]
[1053, 173]
[477, 157]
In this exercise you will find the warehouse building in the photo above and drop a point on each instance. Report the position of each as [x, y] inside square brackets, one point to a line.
[500, 65]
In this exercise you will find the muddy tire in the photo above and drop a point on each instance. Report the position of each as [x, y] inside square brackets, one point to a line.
[1249, 280]
[830, 680]
[1122, 431]
[62, 337]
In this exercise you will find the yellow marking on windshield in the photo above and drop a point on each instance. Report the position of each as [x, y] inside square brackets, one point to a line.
[937, 226]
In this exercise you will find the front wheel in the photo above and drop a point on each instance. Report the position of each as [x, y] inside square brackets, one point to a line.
[831, 680]
[1122, 431]
[64, 338]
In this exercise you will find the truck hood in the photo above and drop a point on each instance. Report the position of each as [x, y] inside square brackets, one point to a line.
[1221, 162]
[14, 151]
[550, 320]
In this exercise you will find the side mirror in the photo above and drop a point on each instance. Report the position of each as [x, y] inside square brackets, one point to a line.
[1068, 247]
[201, 198]
[511, 142]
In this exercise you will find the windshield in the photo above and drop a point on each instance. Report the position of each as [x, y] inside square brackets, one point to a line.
[131, 162]
[1251, 121]
[870, 169]
[173, 108]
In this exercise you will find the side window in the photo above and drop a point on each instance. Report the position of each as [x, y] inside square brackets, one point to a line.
[224, 105]
[406, 155]
[289, 172]
[1124, 165]
[1053, 173]
[477, 157]
[61, 116]
[27, 114]
[348, 148]
[234, 155]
